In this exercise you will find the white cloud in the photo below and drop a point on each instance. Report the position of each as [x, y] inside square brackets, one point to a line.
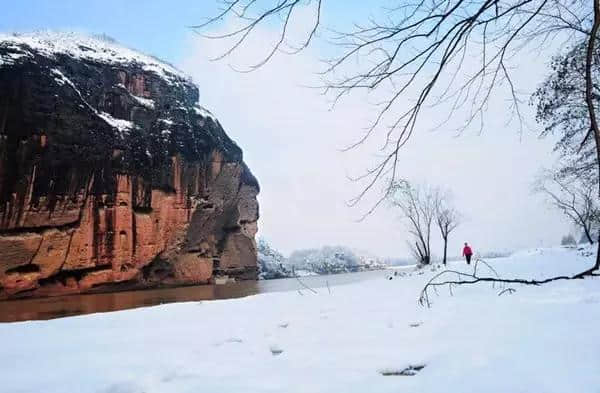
[291, 141]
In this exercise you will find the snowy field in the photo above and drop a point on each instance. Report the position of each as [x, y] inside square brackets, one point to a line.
[539, 339]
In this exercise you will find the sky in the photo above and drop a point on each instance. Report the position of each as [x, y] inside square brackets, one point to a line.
[292, 138]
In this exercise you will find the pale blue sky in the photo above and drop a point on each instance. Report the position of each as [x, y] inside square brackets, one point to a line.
[153, 26]
[156, 27]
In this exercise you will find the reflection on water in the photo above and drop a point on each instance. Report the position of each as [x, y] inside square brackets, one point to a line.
[56, 307]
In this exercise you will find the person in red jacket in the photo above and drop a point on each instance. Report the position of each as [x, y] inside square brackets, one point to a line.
[467, 252]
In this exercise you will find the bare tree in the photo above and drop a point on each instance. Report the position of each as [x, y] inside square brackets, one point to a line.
[576, 199]
[413, 56]
[418, 206]
[447, 218]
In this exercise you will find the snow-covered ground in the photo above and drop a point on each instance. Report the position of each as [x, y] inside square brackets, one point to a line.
[539, 339]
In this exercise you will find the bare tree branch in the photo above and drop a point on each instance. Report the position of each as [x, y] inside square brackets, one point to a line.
[575, 198]
[454, 277]
[412, 58]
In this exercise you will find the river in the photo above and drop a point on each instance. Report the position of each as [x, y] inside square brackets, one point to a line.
[64, 306]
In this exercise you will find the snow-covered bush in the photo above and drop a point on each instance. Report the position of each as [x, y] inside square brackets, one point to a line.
[325, 260]
[271, 262]
[332, 260]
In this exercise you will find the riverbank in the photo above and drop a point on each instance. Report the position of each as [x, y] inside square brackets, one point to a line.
[65, 306]
[341, 339]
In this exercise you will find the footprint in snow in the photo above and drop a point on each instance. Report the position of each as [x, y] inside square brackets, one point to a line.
[232, 340]
[275, 350]
[409, 371]
[172, 376]
[123, 387]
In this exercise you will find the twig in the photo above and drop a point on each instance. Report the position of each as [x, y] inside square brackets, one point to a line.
[507, 290]
[302, 283]
[477, 261]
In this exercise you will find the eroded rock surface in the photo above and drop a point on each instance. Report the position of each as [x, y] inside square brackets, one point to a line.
[111, 174]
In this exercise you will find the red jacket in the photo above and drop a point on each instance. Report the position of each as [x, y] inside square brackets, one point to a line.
[467, 251]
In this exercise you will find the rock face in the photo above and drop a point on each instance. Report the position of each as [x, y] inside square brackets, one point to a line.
[111, 174]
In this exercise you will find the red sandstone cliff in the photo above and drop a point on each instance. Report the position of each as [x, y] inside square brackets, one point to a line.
[111, 175]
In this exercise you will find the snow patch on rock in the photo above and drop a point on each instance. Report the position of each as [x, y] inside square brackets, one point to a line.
[204, 112]
[119, 124]
[145, 102]
[11, 58]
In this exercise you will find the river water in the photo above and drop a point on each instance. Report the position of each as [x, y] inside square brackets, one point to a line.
[64, 306]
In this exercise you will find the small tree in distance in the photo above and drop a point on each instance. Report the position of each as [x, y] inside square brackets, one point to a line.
[568, 240]
[447, 218]
[418, 205]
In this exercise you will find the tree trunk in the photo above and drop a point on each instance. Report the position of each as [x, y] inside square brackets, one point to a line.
[421, 255]
[424, 252]
[445, 249]
[590, 100]
[589, 82]
[588, 235]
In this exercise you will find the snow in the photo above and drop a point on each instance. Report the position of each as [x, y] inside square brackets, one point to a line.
[120, 124]
[204, 112]
[539, 339]
[11, 58]
[61, 79]
[304, 273]
[80, 46]
[145, 102]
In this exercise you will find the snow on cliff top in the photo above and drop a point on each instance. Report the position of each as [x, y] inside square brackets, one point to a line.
[101, 49]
